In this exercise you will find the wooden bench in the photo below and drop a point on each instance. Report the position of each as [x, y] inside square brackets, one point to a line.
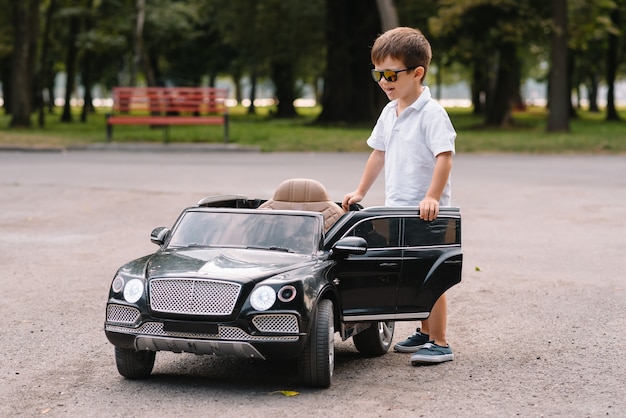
[165, 106]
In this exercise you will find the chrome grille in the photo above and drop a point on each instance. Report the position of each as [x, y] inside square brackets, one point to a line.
[193, 296]
[225, 333]
[276, 323]
[122, 314]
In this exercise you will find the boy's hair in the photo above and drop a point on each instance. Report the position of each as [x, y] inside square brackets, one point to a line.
[408, 45]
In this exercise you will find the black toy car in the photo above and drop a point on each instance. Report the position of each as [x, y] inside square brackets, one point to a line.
[276, 279]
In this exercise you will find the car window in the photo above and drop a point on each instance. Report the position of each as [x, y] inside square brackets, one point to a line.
[436, 232]
[379, 232]
[297, 234]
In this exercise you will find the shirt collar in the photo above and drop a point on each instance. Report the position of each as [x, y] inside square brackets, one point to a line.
[422, 99]
[417, 105]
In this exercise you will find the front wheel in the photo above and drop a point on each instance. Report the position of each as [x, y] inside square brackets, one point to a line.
[134, 364]
[375, 340]
[316, 363]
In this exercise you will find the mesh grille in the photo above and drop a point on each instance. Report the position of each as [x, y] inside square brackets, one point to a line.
[276, 323]
[122, 314]
[225, 333]
[193, 296]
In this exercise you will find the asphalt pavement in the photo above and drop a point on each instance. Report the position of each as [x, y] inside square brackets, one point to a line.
[536, 325]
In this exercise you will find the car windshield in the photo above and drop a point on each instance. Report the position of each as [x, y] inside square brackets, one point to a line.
[269, 231]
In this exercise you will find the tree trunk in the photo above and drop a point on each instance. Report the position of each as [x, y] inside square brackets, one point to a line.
[253, 82]
[349, 94]
[438, 79]
[592, 93]
[612, 63]
[26, 32]
[70, 67]
[478, 87]
[558, 93]
[517, 99]
[283, 76]
[499, 109]
[571, 65]
[140, 5]
[388, 14]
[87, 68]
[45, 65]
[6, 79]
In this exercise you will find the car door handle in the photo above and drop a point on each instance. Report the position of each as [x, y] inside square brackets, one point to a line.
[388, 265]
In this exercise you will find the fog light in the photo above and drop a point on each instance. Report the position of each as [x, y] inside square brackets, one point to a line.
[287, 293]
[118, 284]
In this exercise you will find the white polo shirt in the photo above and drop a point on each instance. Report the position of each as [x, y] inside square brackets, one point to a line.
[411, 142]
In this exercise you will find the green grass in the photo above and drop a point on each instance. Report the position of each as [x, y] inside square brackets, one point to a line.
[588, 134]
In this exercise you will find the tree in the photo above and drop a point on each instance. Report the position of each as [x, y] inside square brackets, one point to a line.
[559, 93]
[349, 93]
[494, 49]
[72, 16]
[44, 72]
[25, 36]
[291, 40]
[388, 14]
[238, 25]
[588, 25]
[612, 63]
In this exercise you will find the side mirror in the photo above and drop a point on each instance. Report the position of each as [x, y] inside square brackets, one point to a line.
[350, 245]
[159, 235]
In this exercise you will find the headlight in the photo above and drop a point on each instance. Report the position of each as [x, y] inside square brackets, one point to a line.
[133, 290]
[262, 298]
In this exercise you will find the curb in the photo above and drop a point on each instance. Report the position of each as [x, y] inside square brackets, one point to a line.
[138, 147]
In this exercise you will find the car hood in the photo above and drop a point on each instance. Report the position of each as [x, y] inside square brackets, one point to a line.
[228, 264]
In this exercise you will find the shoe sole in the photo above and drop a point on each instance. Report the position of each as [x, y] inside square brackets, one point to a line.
[426, 359]
[403, 349]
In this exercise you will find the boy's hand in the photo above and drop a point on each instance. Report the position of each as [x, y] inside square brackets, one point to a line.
[350, 199]
[429, 209]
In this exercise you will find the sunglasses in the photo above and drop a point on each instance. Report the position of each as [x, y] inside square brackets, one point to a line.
[389, 75]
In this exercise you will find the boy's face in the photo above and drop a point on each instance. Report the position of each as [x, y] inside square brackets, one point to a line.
[407, 86]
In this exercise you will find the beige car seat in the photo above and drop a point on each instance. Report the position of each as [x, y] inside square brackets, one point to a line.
[305, 194]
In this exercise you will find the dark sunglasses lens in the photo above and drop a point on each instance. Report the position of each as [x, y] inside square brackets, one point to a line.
[390, 75]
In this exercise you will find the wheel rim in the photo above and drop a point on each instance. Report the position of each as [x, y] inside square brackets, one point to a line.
[331, 345]
[385, 332]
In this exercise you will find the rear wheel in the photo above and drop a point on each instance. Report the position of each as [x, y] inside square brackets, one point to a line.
[316, 363]
[134, 364]
[375, 340]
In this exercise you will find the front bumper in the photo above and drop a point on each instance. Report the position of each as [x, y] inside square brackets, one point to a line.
[272, 335]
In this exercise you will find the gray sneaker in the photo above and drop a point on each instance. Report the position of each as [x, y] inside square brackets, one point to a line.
[432, 353]
[413, 343]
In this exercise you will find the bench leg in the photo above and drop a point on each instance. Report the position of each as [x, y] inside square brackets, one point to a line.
[226, 130]
[109, 128]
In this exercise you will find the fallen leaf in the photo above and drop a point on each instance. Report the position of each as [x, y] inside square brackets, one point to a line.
[286, 392]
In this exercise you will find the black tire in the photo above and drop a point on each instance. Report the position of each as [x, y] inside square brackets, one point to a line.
[316, 363]
[134, 364]
[375, 340]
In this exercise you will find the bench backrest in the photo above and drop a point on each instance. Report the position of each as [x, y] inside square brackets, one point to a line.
[168, 100]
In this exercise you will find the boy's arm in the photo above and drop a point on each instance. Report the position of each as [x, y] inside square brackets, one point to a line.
[429, 206]
[374, 164]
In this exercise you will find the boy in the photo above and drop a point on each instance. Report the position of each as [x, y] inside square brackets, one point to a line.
[414, 141]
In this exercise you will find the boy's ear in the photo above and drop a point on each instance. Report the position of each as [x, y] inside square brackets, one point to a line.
[419, 72]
